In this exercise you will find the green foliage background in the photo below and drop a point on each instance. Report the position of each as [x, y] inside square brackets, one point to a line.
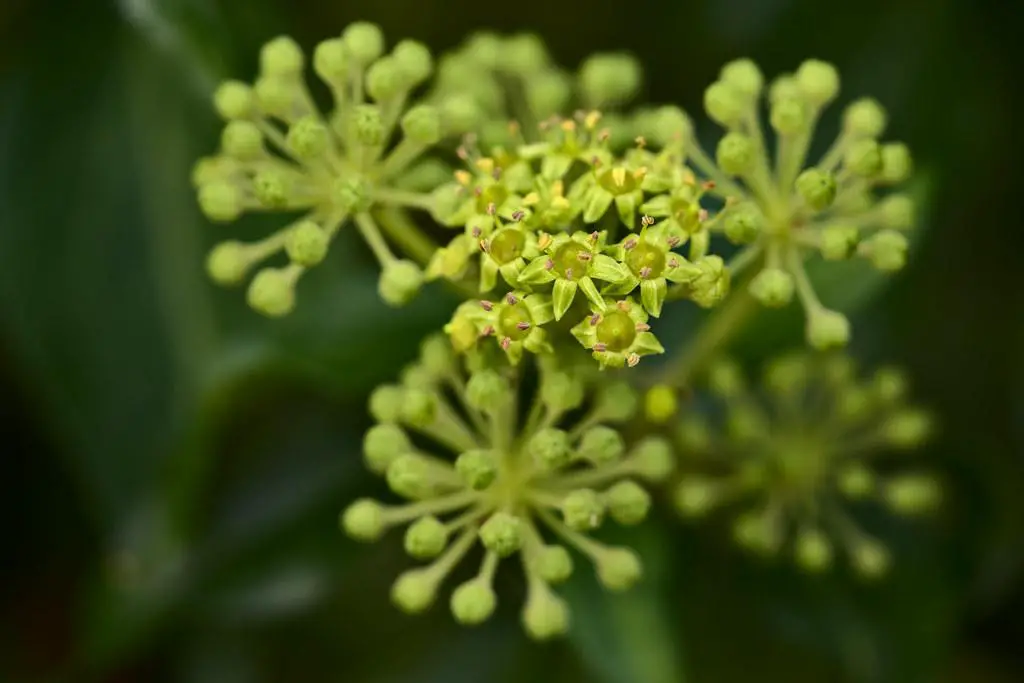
[173, 464]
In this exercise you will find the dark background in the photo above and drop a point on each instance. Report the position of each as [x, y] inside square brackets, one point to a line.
[173, 464]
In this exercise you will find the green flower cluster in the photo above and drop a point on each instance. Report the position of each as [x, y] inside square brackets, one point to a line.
[784, 210]
[787, 459]
[473, 471]
[280, 152]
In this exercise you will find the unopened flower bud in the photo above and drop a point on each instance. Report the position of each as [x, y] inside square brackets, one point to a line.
[600, 445]
[813, 550]
[363, 41]
[896, 162]
[382, 444]
[473, 602]
[386, 403]
[234, 100]
[628, 502]
[725, 104]
[618, 569]
[307, 244]
[583, 510]
[414, 591]
[864, 158]
[220, 202]
[228, 262]
[502, 534]
[426, 538]
[743, 223]
[242, 140]
[477, 468]
[736, 153]
[399, 282]
[363, 520]
[660, 404]
[330, 61]
[827, 329]
[282, 56]
[773, 287]
[609, 79]
[652, 458]
[422, 124]
[839, 242]
[818, 81]
[553, 564]
[818, 188]
[486, 391]
[744, 76]
[272, 292]
[864, 118]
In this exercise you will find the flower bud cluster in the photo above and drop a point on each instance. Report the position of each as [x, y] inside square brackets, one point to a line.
[280, 152]
[786, 208]
[531, 483]
[788, 458]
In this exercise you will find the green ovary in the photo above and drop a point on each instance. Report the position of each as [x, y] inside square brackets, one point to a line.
[645, 256]
[509, 321]
[617, 331]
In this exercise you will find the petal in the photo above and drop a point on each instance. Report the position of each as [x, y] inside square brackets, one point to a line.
[604, 267]
[540, 307]
[562, 296]
[646, 344]
[597, 301]
[659, 206]
[596, 203]
[536, 272]
[652, 293]
[626, 204]
[488, 274]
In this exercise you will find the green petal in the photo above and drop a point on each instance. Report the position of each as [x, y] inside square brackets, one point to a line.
[562, 296]
[652, 293]
[626, 204]
[646, 344]
[590, 291]
[555, 166]
[510, 271]
[596, 203]
[536, 272]
[540, 307]
[488, 274]
[604, 267]
[659, 206]
[537, 341]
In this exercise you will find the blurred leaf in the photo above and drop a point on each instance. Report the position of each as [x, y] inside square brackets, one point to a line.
[624, 638]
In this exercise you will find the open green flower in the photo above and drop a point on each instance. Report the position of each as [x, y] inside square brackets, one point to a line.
[651, 264]
[618, 335]
[572, 263]
[515, 321]
[792, 455]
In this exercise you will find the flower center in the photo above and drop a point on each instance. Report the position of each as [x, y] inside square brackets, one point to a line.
[617, 331]
[507, 245]
[646, 261]
[492, 194]
[571, 261]
[515, 321]
[618, 181]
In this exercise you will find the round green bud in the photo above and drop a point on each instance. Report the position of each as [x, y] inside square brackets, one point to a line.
[211, 170]
[553, 564]
[725, 378]
[736, 153]
[853, 403]
[422, 124]
[784, 87]
[307, 243]
[545, 615]
[897, 212]
[863, 158]
[660, 404]
[415, 60]
[583, 509]
[713, 284]
[695, 496]
[653, 459]
[908, 428]
[228, 262]
[418, 407]
[486, 391]
[275, 95]
[601, 445]
[220, 202]
[864, 118]
[827, 329]
[609, 79]
[896, 162]
[426, 538]
[889, 385]
[272, 292]
[773, 287]
[478, 468]
[386, 403]
[818, 81]
[502, 534]
[308, 138]
[817, 188]
[399, 282]
[744, 76]
[414, 591]
[524, 54]
[383, 443]
[912, 494]
[330, 61]
[282, 56]
[855, 481]
[364, 42]
[460, 113]
[368, 125]
[409, 476]
[473, 602]
[437, 355]
[242, 140]
[813, 550]
[484, 48]
[416, 376]
[887, 250]
[272, 188]
[628, 502]
[663, 125]
[725, 104]
[743, 223]
[617, 401]
[549, 448]
[386, 79]
[789, 115]
[561, 391]
[234, 100]
[548, 93]
[839, 242]
[618, 569]
[363, 520]
[870, 558]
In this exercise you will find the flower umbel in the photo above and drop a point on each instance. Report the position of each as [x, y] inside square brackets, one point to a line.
[790, 458]
[515, 478]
